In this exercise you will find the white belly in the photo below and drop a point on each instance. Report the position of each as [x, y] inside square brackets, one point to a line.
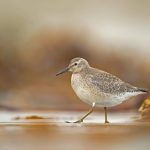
[100, 99]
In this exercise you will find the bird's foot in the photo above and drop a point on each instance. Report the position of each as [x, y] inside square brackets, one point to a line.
[78, 121]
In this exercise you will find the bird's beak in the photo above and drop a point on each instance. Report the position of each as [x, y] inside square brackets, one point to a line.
[63, 71]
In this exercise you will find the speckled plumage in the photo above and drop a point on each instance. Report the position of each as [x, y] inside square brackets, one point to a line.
[93, 85]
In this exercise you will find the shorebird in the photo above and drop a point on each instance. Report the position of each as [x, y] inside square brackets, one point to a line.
[98, 88]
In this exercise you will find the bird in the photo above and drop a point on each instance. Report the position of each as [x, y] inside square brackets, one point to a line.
[98, 88]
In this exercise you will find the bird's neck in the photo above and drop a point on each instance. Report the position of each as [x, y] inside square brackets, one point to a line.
[82, 71]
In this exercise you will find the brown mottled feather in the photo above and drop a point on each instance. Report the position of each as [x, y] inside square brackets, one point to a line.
[108, 83]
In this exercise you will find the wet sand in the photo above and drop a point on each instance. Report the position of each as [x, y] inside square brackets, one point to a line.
[52, 133]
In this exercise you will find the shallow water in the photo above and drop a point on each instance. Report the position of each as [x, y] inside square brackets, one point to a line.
[52, 133]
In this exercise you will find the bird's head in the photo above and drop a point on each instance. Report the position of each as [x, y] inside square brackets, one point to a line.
[76, 65]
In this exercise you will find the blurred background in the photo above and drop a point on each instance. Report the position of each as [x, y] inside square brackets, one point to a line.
[38, 38]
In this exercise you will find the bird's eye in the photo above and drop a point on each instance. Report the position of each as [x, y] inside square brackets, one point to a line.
[75, 64]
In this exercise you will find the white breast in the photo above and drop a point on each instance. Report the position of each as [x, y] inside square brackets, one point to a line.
[80, 88]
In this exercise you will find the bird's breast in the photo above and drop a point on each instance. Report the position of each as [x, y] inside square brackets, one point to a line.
[77, 82]
[82, 89]
[79, 86]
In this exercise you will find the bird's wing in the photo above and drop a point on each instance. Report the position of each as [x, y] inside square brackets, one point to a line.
[108, 83]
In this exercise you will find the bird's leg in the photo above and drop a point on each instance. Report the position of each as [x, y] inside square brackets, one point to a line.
[105, 109]
[81, 120]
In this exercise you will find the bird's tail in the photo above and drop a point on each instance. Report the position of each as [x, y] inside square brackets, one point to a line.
[143, 90]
